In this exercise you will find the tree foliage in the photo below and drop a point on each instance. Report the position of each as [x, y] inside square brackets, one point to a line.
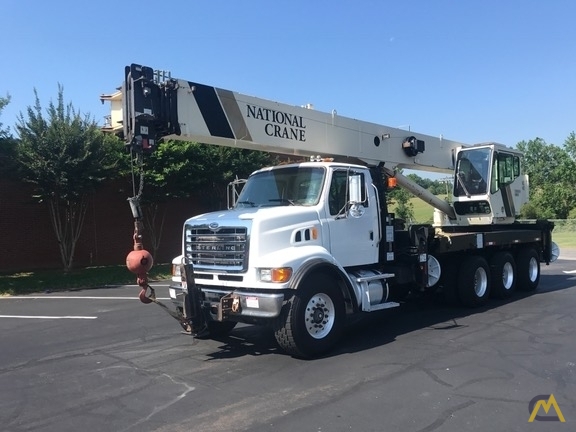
[399, 198]
[7, 144]
[570, 145]
[552, 173]
[181, 169]
[64, 155]
[4, 133]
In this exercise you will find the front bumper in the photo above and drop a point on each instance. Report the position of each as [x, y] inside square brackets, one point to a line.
[248, 305]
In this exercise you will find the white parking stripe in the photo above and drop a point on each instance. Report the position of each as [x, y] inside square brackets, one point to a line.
[47, 317]
[48, 297]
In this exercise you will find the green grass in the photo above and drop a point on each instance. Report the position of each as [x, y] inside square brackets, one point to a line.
[564, 239]
[423, 212]
[57, 280]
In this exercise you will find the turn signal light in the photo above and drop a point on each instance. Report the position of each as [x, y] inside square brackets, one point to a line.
[277, 275]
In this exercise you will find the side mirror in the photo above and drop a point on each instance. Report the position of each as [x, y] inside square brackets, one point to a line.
[355, 193]
[355, 188]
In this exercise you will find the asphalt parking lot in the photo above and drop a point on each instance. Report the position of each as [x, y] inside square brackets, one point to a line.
[99, 360]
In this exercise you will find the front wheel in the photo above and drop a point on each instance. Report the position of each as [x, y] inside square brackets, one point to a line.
[311, 322]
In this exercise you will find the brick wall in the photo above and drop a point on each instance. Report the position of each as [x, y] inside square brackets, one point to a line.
[27, 240]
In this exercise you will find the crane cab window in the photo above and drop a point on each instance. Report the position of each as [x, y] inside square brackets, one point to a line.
[505, 169]
[472, 172]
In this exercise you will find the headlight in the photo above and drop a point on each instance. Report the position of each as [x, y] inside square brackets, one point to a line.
[278, 275]
[176, 272]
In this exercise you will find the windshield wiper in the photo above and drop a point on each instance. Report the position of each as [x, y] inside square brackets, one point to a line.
[460, 178]
[250, 203]
[282, 200]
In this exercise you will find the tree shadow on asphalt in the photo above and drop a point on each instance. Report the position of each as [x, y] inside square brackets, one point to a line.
[382, 327]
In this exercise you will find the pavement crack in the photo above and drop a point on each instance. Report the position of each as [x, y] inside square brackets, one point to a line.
[157, 409]
[446, 415]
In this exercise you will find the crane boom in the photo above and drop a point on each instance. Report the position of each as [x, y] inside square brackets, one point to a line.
[185, 110]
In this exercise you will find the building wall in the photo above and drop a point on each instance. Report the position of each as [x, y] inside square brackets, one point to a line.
[28, 242]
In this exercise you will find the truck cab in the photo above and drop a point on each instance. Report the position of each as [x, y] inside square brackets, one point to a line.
[287, 220]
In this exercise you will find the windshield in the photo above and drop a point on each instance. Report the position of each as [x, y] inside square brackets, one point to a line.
[283, 186]
[472, 173]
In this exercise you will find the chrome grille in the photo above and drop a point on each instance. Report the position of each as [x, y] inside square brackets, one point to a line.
[224, 249]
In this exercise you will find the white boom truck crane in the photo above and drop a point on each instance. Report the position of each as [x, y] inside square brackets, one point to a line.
[308, 244]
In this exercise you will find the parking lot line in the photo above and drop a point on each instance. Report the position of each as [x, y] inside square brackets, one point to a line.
[47, 317]
[48, 297]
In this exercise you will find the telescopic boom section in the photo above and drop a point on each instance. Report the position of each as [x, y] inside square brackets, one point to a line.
[185, 110]
[422, 193]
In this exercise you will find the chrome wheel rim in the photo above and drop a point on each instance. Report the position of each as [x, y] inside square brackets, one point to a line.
[480, 282]
[533, 269]
[507, 276]
[319, 316]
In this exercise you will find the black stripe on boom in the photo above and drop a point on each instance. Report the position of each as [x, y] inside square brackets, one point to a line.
[211, 110]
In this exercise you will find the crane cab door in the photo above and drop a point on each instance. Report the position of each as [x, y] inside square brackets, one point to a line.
[352, 218]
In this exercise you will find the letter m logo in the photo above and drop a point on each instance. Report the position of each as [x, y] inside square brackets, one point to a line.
[546, 402]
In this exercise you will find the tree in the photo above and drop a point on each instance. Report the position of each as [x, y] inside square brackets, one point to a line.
[4, 133]
[399, 199]
[552, 174]
[180, 169]
[65, 156]
[7, 144]
[570, 145]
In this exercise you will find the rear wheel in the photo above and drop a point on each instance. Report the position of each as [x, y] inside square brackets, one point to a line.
[311, 321]
[474, 281]
[528, 264]
[503, 275]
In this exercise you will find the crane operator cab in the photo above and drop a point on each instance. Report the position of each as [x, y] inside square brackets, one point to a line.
[489, 187]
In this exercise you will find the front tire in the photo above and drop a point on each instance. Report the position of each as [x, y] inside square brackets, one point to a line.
[311, 322]
[474, 281]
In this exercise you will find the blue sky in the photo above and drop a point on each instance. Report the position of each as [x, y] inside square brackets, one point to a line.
[473, 71]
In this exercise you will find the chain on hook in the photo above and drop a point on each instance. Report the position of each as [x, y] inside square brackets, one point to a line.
[139, 261]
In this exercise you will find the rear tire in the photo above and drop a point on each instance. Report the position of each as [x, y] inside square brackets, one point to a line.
[503, 275]
[474, 281]
[311, 322]
[528, 264]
